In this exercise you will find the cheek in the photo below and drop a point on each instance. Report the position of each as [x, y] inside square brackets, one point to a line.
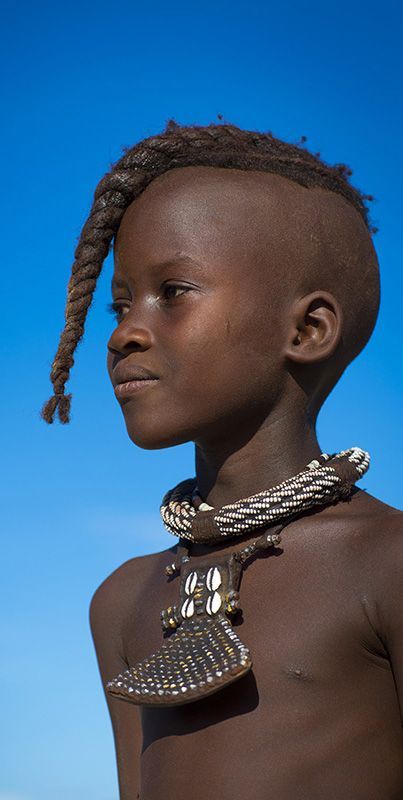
[235, 350]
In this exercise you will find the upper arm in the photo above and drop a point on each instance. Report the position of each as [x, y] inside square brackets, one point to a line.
[108, 610]
[390, 598]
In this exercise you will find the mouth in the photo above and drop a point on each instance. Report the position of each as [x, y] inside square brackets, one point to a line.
[132, 387]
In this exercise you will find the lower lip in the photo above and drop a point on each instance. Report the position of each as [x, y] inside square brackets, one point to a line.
[132, 387]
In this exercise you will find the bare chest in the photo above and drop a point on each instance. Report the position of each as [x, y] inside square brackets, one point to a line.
[319, 684]
[300, 613]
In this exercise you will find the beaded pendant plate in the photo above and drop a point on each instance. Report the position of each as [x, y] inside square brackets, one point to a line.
[204, 654]
[196, 661]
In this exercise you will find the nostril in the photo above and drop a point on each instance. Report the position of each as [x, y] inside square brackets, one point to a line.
[127, 338]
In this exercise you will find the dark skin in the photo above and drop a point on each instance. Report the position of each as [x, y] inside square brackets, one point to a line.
[245, 348]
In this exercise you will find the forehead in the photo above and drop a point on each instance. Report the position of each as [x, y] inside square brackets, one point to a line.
[209, 213]
[246, 226]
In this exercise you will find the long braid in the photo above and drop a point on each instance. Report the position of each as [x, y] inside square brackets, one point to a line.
[220, 145]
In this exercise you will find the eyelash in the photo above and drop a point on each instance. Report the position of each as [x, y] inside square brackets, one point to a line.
[115, 308]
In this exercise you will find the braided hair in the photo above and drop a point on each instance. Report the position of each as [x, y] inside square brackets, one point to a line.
[214, 145]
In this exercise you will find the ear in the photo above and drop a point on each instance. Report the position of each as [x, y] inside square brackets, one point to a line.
[316, 328]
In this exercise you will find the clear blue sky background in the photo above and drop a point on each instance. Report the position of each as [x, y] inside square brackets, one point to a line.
[83, 80]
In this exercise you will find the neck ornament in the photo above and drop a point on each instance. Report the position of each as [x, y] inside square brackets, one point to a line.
[202, 653]
[321, 482]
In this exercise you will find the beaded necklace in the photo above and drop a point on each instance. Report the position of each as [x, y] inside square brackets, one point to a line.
[202, 653]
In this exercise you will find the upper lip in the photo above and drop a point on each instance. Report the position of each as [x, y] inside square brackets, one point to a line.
[123, 373]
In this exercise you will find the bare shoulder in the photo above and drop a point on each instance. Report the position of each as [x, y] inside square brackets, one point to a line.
[374, 531]
[385, 526]
[377, 519]
[363, 515]
[366, 539]
[377, 551]
[117, 595]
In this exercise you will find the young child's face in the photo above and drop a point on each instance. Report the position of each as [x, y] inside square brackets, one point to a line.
[202, 288]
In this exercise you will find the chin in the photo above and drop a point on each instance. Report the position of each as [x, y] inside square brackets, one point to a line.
[156, 437]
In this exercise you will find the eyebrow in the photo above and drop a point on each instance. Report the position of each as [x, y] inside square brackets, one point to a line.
[119, 283]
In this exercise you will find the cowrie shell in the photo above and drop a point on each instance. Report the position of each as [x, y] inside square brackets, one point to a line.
[213, 579]
[213, 603]
[188, 608]
[190, 582]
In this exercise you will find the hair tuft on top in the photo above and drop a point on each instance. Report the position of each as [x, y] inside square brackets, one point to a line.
[215, 145]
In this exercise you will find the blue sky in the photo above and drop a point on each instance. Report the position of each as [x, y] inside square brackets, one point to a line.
[82, 81]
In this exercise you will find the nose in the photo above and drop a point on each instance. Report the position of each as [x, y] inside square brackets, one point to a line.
[130, 335]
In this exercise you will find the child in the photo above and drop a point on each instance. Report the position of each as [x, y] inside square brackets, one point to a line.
[245, 281]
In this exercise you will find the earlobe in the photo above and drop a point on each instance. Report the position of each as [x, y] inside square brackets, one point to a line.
[317, 322]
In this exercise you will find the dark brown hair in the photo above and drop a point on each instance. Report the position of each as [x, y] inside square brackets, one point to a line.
[214, 145]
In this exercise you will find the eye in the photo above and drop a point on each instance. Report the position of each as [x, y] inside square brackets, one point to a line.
[116, 309]
[170, 291]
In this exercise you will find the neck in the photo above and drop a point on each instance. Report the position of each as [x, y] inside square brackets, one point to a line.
[250, 462]
[227, 471]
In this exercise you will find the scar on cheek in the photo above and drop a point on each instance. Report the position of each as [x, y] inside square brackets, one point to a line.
[227, 327]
